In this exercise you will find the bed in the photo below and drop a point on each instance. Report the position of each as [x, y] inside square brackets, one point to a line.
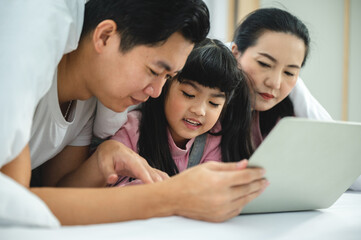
[341, 221]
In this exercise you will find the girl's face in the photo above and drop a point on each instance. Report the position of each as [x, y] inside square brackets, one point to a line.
[272, 65]
[192, 109]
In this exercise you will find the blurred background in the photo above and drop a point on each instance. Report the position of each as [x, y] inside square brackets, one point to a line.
[333, 70]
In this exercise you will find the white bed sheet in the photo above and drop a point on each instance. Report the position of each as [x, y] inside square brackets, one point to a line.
[340, 221]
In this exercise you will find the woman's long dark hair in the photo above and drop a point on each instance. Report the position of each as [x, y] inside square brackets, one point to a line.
[247, 34]
[210, 64]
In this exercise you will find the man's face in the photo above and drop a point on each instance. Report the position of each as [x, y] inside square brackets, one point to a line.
[125, 79]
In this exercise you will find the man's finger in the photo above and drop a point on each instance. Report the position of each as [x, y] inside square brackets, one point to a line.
[221, 166]
[140, 170]
[107, 166]
[247, 189]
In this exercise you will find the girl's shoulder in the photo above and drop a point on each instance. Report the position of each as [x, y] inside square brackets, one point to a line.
[134, 116]
[131, 126]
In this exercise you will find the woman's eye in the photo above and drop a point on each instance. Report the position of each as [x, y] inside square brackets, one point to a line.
[289, 74]
[214, 104]
[262, 64]
[187, 95]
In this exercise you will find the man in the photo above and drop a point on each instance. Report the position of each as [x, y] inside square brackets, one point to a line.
[126, 52]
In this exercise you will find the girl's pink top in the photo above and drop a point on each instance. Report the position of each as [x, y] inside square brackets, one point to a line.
[128, 134]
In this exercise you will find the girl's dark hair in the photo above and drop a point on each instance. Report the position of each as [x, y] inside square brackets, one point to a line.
[149, 22]
[247, 34]
[210, 64]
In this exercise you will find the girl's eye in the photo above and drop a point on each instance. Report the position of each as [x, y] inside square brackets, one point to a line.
[187, 95]
[262, 64]
[289, 74]
[214, 104]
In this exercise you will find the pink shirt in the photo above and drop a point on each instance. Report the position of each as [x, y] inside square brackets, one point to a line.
[257, 137]
[128, 134]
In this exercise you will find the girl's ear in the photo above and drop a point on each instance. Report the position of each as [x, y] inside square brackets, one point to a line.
[235, 51]
[102, 33]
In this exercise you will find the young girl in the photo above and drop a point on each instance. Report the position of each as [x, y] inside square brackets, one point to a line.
[209, 96]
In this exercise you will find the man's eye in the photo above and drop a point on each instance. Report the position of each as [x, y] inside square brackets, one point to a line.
[154, 73]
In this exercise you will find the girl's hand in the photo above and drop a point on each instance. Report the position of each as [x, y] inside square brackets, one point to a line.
[115, 159]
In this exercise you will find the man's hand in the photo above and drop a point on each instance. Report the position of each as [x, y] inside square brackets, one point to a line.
[115, 159]
[217, 191]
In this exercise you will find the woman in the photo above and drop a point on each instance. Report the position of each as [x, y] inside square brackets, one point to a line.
[271, 46]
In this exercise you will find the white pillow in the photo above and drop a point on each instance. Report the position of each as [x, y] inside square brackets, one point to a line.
[34, 36]
[18, 206]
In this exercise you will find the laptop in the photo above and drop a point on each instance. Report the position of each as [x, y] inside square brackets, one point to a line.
[308, 163]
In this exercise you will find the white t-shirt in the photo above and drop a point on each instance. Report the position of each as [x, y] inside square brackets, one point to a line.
[50, 132]
[108, 122]
[305, 105]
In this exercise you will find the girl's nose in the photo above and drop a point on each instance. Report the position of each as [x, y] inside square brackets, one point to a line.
[198, 109]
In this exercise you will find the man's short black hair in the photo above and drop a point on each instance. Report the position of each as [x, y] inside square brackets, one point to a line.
[149, 22]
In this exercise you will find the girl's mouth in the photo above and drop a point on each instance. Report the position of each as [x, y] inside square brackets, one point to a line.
[192, 124]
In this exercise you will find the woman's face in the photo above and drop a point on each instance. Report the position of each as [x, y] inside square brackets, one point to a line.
[272, 65]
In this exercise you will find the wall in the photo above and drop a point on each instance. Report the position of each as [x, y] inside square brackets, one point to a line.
[355, 62]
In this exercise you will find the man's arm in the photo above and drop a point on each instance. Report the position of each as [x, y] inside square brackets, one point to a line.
[19, 169]
[211, 191]
[63, 164]
[72, 167]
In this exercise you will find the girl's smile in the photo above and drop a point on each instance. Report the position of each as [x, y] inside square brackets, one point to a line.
[191, 109]
[191, 123]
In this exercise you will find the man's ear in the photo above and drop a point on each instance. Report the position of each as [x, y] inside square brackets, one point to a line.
[105, 30]
[235, 51]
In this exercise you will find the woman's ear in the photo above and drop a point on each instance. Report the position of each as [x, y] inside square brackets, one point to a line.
[235, 51]
[102, 33]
